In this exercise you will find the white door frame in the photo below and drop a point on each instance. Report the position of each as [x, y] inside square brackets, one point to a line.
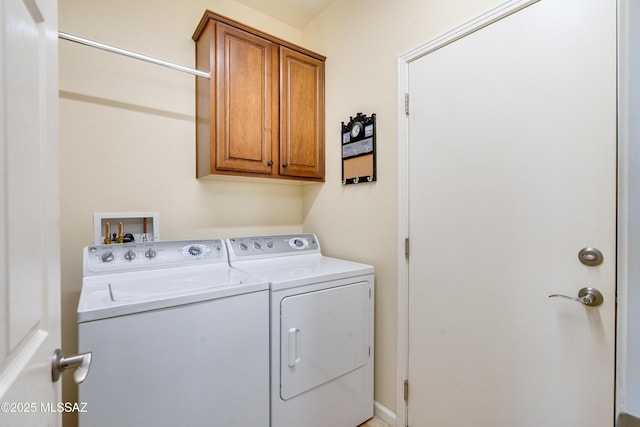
[627, 244]
[404, 60]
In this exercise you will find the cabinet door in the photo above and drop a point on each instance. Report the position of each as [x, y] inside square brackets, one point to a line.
[246, 101]
[302, 115]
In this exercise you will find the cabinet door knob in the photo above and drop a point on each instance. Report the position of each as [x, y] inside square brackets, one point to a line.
[270, 163]
[285, 164]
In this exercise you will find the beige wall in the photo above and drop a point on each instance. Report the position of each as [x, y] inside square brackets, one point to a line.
[362, 40]
[127, 137]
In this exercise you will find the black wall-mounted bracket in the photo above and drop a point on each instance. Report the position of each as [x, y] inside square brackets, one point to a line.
[359, 149]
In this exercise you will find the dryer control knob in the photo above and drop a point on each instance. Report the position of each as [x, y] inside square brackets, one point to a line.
[244, 246]
[257, 245]
[298, 243]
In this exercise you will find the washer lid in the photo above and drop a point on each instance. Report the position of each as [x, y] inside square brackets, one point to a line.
[172, 284]
[121, 294]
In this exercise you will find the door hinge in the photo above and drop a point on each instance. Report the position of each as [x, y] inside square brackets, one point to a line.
[406, 248]
[406, 103]
[406, 390]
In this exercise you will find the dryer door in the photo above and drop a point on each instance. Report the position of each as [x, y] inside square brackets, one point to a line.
[323, 335]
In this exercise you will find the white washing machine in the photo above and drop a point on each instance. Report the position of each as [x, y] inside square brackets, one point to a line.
[321, 330]
[179, 338]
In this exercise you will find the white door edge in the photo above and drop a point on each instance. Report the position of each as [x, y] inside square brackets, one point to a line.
[30, 324]
[624, 199]
[623, 204]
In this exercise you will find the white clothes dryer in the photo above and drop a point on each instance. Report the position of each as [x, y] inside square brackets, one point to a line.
[321, 330]
[179, 338]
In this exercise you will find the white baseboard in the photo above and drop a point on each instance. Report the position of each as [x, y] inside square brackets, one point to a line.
[384, 413]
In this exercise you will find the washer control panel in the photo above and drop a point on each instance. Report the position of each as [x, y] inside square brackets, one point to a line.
[101, 259]
[271, 246]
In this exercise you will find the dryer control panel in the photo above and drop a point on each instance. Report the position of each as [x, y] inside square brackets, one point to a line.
[272, 246]
[101, 259]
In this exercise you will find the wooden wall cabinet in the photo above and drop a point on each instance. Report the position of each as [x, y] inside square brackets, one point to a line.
[261, 113]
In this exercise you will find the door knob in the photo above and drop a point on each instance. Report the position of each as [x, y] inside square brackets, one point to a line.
[59, 364]
[587, 296]
[590, 256]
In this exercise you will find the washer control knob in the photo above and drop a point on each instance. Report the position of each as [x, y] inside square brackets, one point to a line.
[257, 245]
[129, 255]
[243, 246]
[270, 244]
[108, 256]
[195, 250]
[150, 253]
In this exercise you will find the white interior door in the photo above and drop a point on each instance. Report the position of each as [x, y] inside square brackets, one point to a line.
[29, 213]
[512, 170]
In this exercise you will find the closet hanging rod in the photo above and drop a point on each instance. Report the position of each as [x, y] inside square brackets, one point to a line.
[130, 54]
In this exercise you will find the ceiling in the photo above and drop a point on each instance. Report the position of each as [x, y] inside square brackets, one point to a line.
[297, 13]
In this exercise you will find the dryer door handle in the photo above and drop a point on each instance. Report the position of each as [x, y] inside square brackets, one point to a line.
[293, 347]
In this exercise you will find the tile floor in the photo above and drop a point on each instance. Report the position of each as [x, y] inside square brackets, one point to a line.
[375, 422]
